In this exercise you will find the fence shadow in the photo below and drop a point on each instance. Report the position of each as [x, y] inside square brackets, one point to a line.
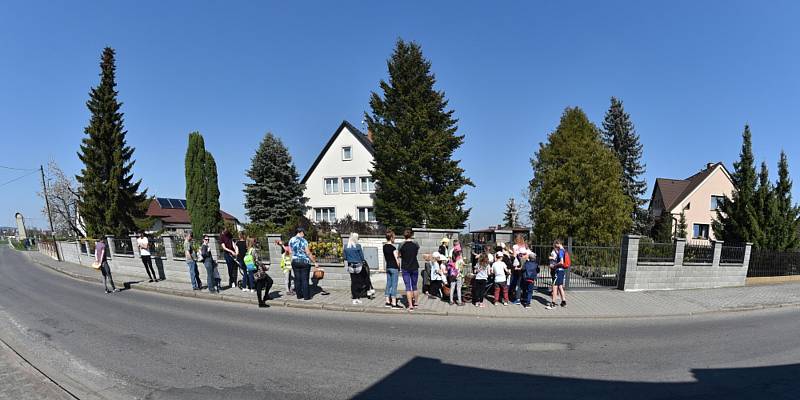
[428, 378]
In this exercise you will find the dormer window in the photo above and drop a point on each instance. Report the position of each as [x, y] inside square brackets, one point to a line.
[347, 153]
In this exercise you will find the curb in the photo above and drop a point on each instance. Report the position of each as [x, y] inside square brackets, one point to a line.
[379, 310]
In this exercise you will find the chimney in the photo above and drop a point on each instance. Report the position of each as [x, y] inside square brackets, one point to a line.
[710, 165]
[369, 135]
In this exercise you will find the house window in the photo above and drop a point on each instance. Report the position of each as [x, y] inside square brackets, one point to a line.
[327, 214]
[347, 153]
[366, 214]
[367, 184]
[349, 185]
[716, 201]
[331, 185]
[700, 231]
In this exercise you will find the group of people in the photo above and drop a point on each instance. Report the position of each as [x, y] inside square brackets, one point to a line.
[506, 274]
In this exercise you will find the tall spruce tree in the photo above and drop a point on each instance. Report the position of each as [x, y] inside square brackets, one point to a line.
[737, 217]
[511, 215]
[414, 138]
[202, 188]
[620, 135]
[109, 201]
[766, 209]
[662, 229]
[787, 223]
[275, 195]
[576, 190]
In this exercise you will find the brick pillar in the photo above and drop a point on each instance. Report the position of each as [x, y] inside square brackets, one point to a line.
[111, 249]
[135, 247]
[717, 247]
[746, 262]
[274, 249]
[213, 239]
[628, 260]
[169, 247]
[680, 251]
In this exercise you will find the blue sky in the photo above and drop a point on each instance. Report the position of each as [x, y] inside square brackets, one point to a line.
[691, 74]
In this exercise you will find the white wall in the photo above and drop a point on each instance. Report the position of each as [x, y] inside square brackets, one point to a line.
[331, 165]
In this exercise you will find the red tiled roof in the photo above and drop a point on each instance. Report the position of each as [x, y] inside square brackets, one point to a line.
[177, 215]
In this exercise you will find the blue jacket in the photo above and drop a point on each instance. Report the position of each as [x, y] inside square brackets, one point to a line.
[531, 270]
[353, 254]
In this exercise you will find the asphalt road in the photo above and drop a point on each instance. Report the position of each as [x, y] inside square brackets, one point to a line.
[137, 344]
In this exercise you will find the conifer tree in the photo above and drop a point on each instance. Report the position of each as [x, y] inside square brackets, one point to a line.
[511, 215]
[681, 229]
[415, 136]
[202, 189]
[275, 195]
[785, 233]
[576, 190]
[109, 201]
[662, 229]
[620, 136]
[766, 209]
[737, 217]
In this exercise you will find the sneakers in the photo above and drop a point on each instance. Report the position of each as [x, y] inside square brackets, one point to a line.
[371, 292]
[356, 301]
[550, 306]
[116, 290]
[482, 305]
[526, 306]
[108, 291]
[397, 307]
[505, 303]
[388, 305]
[516, 302]
[563, 303]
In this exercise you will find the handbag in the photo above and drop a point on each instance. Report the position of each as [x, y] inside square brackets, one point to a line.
[318, 274]
[261, 273]
[354, 268]
[96, 265]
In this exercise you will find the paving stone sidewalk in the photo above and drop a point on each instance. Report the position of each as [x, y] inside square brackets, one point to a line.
[598, 303]
[19, 380]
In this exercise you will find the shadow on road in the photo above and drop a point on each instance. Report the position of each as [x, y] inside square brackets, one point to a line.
[428, 378]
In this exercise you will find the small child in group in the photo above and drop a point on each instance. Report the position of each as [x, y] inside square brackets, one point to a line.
[500, 270]
[455, 275]
[481, 271]
[286, 266]
[438, 274]
[426, 275]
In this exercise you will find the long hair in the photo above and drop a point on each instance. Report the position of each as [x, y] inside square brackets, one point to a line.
[352, 241]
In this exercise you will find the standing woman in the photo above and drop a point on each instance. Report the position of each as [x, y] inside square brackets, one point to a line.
[392, 271]
[242, 246]
[301, 263]
[144, 250]
[354, 257]
[208, 262]
[408, 252]
[230, 252]
[101, 258]
[256, 271]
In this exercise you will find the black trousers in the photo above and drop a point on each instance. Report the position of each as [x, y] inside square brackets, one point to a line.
[436, 289]
[148, 266]
[358, 286]
[478, 290]
[263, 285]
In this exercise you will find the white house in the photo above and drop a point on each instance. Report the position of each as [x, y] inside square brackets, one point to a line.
[339, 182]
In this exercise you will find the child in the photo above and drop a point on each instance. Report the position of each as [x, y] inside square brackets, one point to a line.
[479, 283]
[426, 275]
[455, 275]
[286, 266]
[530, 271]
[557, 267]
[500, 272]
[438, 274]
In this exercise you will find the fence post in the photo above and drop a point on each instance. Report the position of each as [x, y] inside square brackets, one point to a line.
[680, 251]
[169, 247]
[628, 259]
[748, 247]
[135, 247]
[112, 249]
[213, 238]
[717, 247]
[273, 249]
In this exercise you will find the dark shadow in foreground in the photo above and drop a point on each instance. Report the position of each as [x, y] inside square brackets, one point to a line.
[425, 378]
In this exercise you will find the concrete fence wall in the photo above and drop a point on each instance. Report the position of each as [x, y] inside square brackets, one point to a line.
[635, 275]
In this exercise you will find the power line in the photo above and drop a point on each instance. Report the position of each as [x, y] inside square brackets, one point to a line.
[18, 169]
[19, 177]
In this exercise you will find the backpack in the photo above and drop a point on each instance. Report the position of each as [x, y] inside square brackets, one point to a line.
[530, 271]
[567, 261]
[452, 272]
[250, 261]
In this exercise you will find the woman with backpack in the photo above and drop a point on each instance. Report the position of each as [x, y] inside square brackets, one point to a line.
[455, 275]
[208, 262]
[258, 273]
[354, 257]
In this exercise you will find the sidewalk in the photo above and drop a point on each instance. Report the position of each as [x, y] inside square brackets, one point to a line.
[20, 380]
[601, 303]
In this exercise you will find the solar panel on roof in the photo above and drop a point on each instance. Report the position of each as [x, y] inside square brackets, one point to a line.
[183, 203]
[164, 203]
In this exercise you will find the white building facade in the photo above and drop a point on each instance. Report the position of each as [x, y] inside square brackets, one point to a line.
[339, 182]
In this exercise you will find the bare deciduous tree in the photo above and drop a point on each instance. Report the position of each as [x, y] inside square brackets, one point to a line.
[62, 192]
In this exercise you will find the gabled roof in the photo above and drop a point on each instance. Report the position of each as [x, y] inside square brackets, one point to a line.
[674, 191]
[177, 215]
[361, 137]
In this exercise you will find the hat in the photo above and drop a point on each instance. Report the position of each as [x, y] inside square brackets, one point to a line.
[445, 240]
[435, 255]
[499, 254]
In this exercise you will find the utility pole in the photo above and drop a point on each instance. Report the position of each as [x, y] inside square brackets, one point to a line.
[49, 215]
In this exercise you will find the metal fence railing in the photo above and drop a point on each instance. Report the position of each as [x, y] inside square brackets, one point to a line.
[592, 267]
[157, 247]
[656, 252]
[123, 247]
[732, 255]
[765, 262]
[179, 248]
[698, 252]
[263, 249]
